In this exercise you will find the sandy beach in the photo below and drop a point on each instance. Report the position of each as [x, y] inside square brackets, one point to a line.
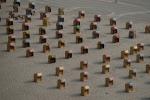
[16, 70]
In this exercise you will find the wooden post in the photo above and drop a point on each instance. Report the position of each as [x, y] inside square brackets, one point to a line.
[147, 68]
[115, 38]
[26, 35]
[59, 34]
[29, 11]
[76, 29]
[140, 46]
[46, 48]
[133, 50]
[61, 44]
[10, 46]
[129, 25]
[9, 21]
[37, 77]
[129, 87]
[68, 54]
[105, 68]
[43, 39]
[16, 2]
[97, 18]
[10, 30]
[32, 5]
[84, 76]
[60, 18]
[59, 26]
[125, 54]
[147, 29]
[109, 81]
[100, 45]
[11, 38]
[85, 90]
[42, 31]
[43, 15]
[84, 49]
[132, 73]
[47, 9]
[60, 71]
[61, 83]
[93, 26]
[106, 58]
[79, 39]
[26, 43]
[126, 63]
[51, 59]
[95, 34]
[139, 58]
[25, 26]
[76, 21]
[114, 30]
[60, 11]
[81, 14]
[132, 34]
[113, 21]
[28, 18]
[83, 64]
[45, 21]
[29, 52]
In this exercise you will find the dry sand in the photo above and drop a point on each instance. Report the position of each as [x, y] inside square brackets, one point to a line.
[16, 71]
